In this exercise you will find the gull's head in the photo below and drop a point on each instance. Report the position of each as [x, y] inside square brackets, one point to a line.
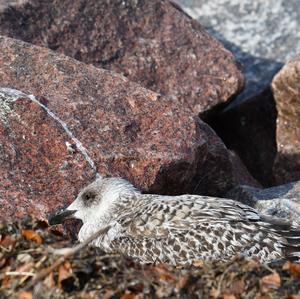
[97, 202]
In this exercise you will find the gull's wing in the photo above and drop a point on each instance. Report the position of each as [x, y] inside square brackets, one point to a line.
[190, 227]
[155, 214]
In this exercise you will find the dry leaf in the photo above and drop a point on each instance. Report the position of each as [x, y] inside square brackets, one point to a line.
[292, 268]
[25, 295]
[163, 273]
[237, 287]
[129, 295]
[292, 297]
[229, 296]
[270, 282]
[182, 282]
[262, 297]
[31, 235]
[214, 293]
[27, 267]
[252, 264]
[7, 241]
[64, 272]
[2, 262]
[5, 281]
[49, 281]
[108, 294]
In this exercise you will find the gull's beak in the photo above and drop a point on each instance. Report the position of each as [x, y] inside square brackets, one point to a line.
[59, 216]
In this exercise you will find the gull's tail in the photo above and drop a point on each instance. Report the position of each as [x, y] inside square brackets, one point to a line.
[290, 233]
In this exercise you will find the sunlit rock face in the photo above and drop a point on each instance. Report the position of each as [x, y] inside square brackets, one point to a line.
[153, 43]
[63, 121]
[286, 90]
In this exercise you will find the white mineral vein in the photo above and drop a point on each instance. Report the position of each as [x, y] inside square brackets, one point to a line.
[14, 94]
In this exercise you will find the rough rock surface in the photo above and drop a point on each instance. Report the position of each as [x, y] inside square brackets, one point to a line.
[286, 90]
[250, 130]
[248, 193]
[153, 43]
[281, 201]
[81, 120]
[262, 34]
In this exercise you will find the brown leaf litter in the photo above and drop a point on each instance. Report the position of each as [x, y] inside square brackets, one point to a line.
[26, 249]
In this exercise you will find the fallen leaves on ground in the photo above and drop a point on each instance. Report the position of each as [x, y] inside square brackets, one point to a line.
[237, 287]
[163, 272]
[293, 268]
[7, 241]
[26, 248]
[25, 295]
[129, 295]
[64, 272]
[269, 282]
[31, 235]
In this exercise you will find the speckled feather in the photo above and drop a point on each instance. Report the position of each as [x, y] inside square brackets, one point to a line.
[179, 229]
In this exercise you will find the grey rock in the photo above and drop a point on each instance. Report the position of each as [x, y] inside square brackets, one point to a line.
[262, 34]
[280, 201]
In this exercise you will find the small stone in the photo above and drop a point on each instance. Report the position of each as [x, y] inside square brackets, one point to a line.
[71, 148]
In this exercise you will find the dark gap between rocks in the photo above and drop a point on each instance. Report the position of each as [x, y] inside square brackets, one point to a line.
[249, 129]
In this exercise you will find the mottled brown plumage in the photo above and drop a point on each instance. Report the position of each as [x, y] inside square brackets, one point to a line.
[179, 229]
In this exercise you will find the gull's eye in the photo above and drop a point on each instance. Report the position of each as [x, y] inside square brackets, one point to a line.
[88, 197]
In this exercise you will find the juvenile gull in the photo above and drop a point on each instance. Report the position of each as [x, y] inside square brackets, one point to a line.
[178, 230]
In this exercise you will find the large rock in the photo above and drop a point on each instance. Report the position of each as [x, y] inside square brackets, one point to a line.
[262, 34]
[151, 42]
[281, 201]
[249, 129]
[63, 121]
[286, 90]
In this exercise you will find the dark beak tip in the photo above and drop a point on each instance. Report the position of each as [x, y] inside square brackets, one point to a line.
[52, 219]
[59, 216]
